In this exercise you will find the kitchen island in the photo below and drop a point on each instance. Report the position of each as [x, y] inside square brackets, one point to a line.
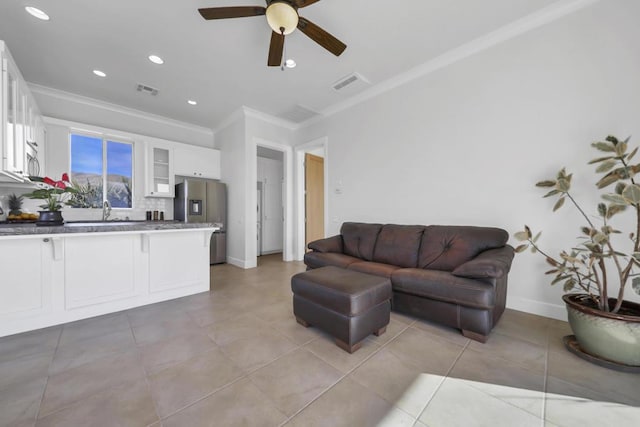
[53, 275]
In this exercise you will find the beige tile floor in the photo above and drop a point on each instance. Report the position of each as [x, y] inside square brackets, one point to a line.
[236, 356]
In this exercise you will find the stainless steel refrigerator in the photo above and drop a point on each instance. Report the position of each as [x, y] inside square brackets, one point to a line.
[202, 200]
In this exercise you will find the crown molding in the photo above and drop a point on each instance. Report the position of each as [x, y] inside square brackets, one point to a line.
[530, 22]
[92, 102]
[230, 119]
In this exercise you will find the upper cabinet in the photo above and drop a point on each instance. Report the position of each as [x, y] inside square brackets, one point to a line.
[199, 162]
[21, 127]
[160, 177]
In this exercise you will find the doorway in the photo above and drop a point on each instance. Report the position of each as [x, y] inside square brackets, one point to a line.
[312, 203]
[270, 202]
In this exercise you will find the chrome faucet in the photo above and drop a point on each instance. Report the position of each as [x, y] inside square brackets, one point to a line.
[106, 210]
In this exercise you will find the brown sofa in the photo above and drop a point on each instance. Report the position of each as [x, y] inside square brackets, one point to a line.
[454, 275]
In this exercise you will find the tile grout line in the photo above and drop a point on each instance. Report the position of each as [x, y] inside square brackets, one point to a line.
[46, 384]
[445, 376]
[346, 374]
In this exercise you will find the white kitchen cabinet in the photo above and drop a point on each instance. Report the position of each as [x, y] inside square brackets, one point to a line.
[53, 279]
[160, 177]
[93, 277]
[163, 259]
[199, 162]
[25, 290]
[19, 144]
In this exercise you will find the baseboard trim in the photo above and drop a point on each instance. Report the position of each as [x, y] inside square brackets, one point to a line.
[240, 263]
[553, 311]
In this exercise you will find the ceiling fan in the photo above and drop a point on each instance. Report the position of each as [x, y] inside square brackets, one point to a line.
[283, 18]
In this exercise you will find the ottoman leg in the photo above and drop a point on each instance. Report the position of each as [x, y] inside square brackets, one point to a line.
[348, 348]
[380, 331]
[302, 322]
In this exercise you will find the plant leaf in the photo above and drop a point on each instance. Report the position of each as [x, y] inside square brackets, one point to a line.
[535, 239]
[603, 146]
[606, 166]
[563, 185]
[521, 248]
[602, 209]
[558, 204]
[620, 187]
[547, 183]
[600, 238]
[528, 231]
[635, 285]
[612, 139]
[615, 199]
[633, 153]
[569, 284]
[614, 209]
[600, 159]
[632, 193]
[621, 149]
[521, 236]
[551, 193]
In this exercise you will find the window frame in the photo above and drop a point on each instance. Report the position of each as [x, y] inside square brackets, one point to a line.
[106, 138]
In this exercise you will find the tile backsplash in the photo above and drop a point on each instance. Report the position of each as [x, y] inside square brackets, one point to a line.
[138, 212]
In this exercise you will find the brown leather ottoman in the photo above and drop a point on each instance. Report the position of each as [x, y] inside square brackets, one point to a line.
[347, 304]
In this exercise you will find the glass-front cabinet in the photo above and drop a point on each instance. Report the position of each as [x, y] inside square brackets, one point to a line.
[159, 165]
[19, 138]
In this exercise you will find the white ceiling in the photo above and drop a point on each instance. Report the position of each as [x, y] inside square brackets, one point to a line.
[222, 63]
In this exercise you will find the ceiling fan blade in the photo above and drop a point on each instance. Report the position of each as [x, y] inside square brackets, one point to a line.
[275, 49]
[321, 37]
[304, 3]
[231, 12]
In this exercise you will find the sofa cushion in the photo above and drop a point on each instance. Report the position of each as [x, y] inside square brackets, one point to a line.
[359, 239]
[398, 245]
[445, 247]
[444, 286]
[493, 263]
[375, 268]
[322, 259]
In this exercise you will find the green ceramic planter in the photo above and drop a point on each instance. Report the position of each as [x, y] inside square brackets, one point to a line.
[614, 337]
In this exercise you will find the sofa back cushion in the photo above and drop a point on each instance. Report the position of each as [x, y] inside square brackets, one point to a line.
[445, 247]
[359, 239]
[398, 245]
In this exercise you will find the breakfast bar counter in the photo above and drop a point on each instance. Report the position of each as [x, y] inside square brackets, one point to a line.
[58, 274]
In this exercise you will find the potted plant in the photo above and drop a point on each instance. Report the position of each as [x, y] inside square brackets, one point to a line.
[605, 325]
[55, 194]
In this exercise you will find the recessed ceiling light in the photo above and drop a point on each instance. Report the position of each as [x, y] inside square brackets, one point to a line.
[37, 13]
[156, 59]
[99, 73]
[290, 63]
[192, 102]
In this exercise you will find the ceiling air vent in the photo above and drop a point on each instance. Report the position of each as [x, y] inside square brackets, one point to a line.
[147, 89]
[352, 83]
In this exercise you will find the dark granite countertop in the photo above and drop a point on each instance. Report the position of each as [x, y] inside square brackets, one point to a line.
[74, 227]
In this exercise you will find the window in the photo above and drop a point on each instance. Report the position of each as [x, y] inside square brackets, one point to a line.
[103, 170]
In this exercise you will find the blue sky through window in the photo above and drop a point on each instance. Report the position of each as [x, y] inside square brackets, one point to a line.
[119, 157]
[86, 155]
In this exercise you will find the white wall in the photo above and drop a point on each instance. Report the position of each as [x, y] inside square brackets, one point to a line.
[231, 142]
[465, 144]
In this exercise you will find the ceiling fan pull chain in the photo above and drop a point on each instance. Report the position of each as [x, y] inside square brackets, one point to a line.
[284, 43]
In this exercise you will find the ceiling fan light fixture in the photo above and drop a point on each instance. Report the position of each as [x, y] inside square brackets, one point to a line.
[282, 17]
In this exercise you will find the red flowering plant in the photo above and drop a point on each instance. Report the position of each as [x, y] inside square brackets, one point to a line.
[54, 193]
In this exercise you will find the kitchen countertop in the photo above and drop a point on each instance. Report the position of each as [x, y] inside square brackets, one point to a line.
[73, 227]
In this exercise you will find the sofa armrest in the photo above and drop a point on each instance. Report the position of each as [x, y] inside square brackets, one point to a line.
[330, 244]
[492, 263]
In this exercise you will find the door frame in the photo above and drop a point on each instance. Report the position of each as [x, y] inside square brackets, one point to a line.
[287, 195]
[300, 206]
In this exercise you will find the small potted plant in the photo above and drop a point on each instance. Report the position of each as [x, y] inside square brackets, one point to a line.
[606, 328]
[55, 194]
